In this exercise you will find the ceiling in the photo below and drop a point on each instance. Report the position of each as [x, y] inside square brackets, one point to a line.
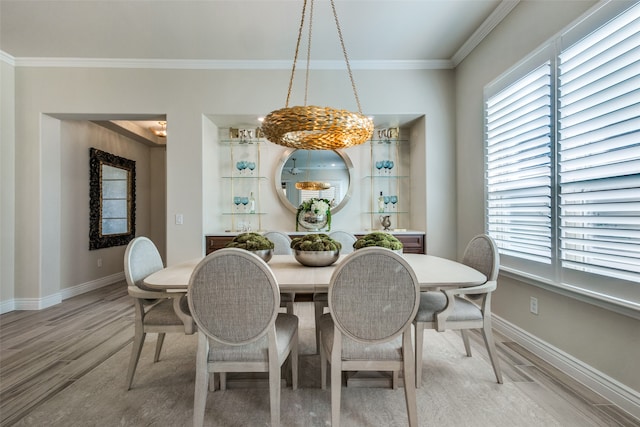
[246, 33]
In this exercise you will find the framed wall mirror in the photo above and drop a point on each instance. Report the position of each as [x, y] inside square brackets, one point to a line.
[331, 166]
[112, 201]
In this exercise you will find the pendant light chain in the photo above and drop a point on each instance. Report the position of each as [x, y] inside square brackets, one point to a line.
[306, 81]
[346, 58]
[314, 127]
[295, 58]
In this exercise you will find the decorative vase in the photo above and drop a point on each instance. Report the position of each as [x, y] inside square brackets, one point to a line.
[385, 221]
[312, 221]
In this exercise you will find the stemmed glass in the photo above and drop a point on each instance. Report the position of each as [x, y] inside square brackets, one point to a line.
[379, 165]
[237, 200]
[386, 199]
[251, 166]
[394, 200]
[241, 165]
[245, 202]
[390, 165]
[386, 164]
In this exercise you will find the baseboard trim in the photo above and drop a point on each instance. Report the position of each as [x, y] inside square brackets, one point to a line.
[613, 390]
[90, 286]
[7, 306]
[58, 297]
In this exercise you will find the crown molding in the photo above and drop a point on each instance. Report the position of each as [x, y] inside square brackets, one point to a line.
[503, 9]
[179, 64]
[5, 57]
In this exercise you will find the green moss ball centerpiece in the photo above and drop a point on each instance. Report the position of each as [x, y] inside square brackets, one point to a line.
[253, 242]
[381, 239]
[316, 250]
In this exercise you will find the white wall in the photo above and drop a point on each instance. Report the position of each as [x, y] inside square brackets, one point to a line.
[7, 185]
[78, 263]
[188, 98]
[605, 340]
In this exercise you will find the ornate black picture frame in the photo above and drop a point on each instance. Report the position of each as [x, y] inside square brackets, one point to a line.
[100, 162]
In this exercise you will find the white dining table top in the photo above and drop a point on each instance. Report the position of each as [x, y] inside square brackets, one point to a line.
[431, 271]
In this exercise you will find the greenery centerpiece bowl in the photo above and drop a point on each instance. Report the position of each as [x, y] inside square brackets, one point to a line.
[253, 242]
[381, 239]
[316, 250]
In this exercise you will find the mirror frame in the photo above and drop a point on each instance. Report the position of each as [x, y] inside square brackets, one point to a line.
[278, 180]
[97, 159]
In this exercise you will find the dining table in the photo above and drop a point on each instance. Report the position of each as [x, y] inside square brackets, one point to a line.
[431, 271]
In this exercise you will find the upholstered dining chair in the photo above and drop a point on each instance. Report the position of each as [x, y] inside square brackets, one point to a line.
[155, 311]
[373, 298]
[320, 299]
[282, 246]
[234, 299]
[463, 308]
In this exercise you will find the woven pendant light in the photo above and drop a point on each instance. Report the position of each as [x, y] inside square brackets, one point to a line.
[312, 127]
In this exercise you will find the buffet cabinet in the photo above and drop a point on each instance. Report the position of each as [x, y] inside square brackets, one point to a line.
[414, 243]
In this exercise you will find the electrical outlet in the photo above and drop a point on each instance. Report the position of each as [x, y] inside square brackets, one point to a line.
[179, 219]
[99, 262]
[533, 305]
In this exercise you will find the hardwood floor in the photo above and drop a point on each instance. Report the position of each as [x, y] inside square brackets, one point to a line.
[43, 352]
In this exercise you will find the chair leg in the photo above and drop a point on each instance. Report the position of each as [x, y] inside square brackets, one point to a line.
[202, 381]
[465, 340]
[274, 389]
[336, 389]
[323, 367]
[319, 310]
[487, 334]
[159, 343]
[336, 379]
[223, 381]
[294, 363]
[409, 382]
[419, 331]
[394, 379]
[290, 308]
[138, 340]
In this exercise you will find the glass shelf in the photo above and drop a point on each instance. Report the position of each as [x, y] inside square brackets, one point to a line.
[386, 176]
[387, 213]
[244, 213]
[387, 141]
[238, 142]
[244, 177]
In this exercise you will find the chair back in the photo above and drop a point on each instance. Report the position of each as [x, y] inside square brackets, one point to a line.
[141, 258]
[346, 239]
[233, 296]
[281, 241]
[373, 295]
[482, 254]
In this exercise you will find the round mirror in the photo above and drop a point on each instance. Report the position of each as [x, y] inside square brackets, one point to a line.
[323, 166]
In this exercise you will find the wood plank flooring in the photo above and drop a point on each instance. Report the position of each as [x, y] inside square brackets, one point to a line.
[43, 352]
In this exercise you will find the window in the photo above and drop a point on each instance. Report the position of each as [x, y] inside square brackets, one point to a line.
[562, 144]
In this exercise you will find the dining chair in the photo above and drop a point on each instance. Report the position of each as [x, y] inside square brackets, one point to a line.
[234, 299]
[320, 299]
[155, 311]
[463, 308]
[373, 298]
[282, 246]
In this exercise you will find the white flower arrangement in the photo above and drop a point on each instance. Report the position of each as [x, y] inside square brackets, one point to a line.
[319, 206]
[316, 206]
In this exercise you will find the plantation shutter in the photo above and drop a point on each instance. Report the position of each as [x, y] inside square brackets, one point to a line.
[518, 161]
[599, 150]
